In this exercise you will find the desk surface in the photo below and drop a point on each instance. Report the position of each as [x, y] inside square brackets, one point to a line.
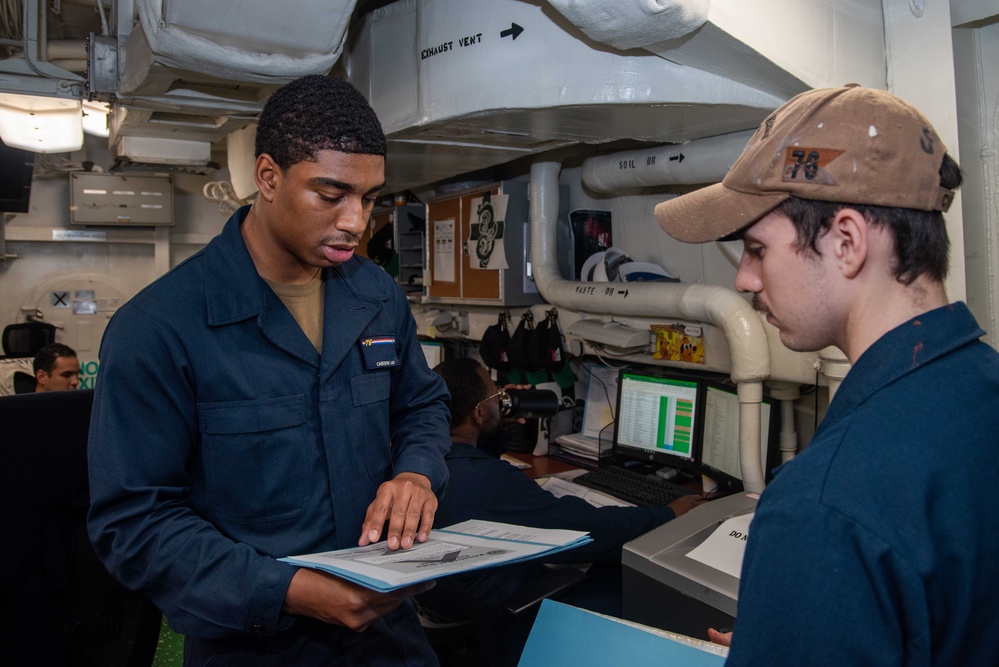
[543, 466]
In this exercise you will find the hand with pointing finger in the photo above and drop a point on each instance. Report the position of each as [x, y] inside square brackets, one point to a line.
[408, 503]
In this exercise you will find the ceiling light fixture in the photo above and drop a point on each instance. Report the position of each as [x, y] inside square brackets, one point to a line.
[41, 124]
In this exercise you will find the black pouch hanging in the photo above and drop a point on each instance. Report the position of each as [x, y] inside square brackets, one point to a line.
[495, 345]
[536, 352]
[520, 343]
[551, 343]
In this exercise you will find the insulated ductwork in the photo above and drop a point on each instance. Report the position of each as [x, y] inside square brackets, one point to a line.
[694, 162]
[185, 73]
[634, 23]
[721, 307]
[429, 69]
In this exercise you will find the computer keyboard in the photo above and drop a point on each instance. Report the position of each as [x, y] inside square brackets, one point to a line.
[632, 486]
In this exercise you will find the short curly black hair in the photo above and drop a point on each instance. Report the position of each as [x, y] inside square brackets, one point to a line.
[316, 113]
[466, 386]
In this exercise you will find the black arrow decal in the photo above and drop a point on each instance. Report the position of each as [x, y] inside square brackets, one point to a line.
[514, 30]
[677, 158]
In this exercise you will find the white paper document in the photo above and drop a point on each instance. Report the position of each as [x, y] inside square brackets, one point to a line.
[444, 247]
[724, 548]
[561, 487]
[469, 545]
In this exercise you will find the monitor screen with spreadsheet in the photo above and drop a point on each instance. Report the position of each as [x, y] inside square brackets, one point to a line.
[657, 418]
[720, 434]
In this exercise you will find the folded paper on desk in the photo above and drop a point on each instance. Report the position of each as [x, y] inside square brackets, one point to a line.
[564, 487]
[515, 462]
[564, 635]
[469, 545]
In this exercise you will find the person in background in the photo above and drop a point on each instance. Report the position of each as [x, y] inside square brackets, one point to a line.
[484, 487]
[57, 368]
[875, 545]
[267, 398]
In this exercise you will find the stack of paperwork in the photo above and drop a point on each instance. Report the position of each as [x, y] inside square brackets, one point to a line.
[469, 545]
[595, 440]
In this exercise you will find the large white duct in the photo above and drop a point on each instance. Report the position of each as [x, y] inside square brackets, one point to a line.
[698, 161]
[701, 303]
[258, 41]
[634, 23]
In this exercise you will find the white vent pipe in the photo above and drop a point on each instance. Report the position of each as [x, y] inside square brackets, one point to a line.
[719, 306]
[697, 161]
[834, 365]
[787, 393]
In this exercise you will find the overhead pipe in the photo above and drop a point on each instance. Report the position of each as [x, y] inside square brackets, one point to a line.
[36, 48]
[66, 49]
[67, 54]
[719, 306]
[70, 64]
[696, 161]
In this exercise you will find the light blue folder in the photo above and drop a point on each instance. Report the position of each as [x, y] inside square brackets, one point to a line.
[565, 635]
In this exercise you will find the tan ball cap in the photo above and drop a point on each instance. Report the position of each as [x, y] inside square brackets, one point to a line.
[852, 145]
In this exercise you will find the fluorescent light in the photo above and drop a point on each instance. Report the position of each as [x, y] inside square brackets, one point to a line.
[95, 118]
[41, 124]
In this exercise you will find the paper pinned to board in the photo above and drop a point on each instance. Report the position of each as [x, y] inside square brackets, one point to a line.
[725, 547]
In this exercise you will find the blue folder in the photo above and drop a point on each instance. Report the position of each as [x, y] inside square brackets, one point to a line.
[565, 635]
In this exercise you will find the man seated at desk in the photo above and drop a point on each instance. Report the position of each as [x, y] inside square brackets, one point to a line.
[57, 368]
[484, 487]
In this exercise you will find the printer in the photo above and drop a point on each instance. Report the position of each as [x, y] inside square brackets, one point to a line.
[666, 587]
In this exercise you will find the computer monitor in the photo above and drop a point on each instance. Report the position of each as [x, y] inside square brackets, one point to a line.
[720, 435]
[656, 419]
[434, 352]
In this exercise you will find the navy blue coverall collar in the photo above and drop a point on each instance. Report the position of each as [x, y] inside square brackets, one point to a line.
[349, 293]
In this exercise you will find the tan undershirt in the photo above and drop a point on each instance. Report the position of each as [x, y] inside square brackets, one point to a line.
[306, 305]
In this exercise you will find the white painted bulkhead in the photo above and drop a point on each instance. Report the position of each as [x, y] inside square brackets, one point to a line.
[446, 118]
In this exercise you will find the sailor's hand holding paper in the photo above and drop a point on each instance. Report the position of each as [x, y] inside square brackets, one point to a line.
[408, 504]
[336, 601]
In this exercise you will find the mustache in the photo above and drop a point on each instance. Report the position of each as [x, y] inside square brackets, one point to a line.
[341, 238]
[759, 306]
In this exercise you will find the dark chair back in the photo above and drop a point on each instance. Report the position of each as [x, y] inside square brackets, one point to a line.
[24, 339]
[58, 605]
[24, 383]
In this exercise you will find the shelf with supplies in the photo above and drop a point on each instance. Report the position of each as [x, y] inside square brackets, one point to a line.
[395, 240]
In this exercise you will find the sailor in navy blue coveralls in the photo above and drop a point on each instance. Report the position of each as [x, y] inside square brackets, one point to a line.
[221, 440]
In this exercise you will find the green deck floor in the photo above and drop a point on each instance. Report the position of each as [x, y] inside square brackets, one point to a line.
[170, 650]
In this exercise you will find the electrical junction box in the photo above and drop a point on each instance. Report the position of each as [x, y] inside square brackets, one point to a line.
[113, 199]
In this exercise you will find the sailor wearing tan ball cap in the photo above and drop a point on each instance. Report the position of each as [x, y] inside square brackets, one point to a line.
[872, 547]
